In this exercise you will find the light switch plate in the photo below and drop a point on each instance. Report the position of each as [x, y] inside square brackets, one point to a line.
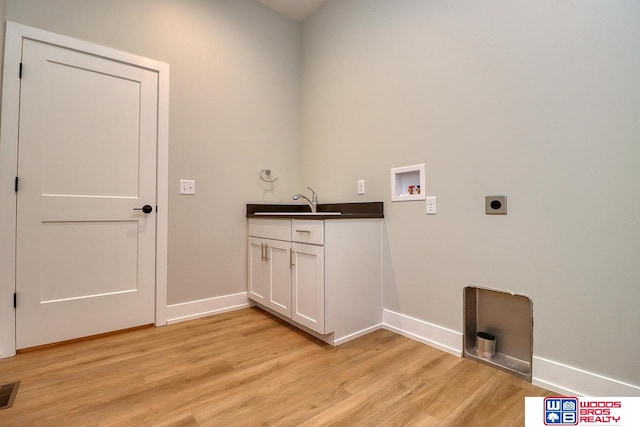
[187, 186]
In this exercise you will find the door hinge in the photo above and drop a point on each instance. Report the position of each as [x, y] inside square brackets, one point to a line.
[16, 185]
[15, 300]
[20, 71]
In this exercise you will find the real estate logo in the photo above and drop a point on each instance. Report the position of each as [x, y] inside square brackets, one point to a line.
[582, 411]
[561, 411]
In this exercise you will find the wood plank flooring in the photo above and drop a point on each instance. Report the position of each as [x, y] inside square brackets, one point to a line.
[248, 368]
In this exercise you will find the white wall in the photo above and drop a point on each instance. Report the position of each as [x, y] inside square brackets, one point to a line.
[234, 109]
[537, 100]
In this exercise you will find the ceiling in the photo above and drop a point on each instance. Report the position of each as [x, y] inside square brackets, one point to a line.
[298, 10]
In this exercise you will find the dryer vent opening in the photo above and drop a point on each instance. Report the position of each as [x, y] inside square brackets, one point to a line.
[8, 394]
[498, 330]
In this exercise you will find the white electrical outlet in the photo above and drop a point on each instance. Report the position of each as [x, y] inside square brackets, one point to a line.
[361, 186]
[431, 205]
[187, 186]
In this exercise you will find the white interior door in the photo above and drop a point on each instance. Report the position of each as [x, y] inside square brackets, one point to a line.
[85, 259]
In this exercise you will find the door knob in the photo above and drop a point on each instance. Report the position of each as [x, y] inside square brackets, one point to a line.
[146, 209]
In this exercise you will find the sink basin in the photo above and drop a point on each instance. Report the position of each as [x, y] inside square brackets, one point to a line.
[298, 213]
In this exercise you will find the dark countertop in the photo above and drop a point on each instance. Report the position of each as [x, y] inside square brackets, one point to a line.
[348, 210]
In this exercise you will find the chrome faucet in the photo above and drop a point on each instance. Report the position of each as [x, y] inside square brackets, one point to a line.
[313, 203]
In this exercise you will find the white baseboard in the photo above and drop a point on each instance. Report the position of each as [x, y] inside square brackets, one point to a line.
[427, 333]
[570, 381]
[206, 307]
[346, 338]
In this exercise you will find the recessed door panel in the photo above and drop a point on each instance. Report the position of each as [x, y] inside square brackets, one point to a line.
[97, 258]
[106, 163]
[308, 286]
[258, 270]
[280, 279]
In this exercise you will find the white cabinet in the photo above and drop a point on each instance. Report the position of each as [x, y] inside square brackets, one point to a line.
[258, 270]
[270, 265]
[324, 276]
[287, 276]
[279, 292]
[270, 274]
[308, 287]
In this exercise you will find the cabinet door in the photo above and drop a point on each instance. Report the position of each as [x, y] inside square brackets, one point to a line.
[258, 270]
[279, 283]
[308, 286]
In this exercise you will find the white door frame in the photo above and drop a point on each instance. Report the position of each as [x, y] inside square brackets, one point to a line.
[15, 34]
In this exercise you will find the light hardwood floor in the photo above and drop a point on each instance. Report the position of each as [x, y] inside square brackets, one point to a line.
[247, 368]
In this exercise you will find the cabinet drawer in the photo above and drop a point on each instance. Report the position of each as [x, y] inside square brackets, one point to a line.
[307, 231]
[277, 229]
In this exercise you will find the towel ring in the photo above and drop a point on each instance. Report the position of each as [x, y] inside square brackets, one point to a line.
[265, 175]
